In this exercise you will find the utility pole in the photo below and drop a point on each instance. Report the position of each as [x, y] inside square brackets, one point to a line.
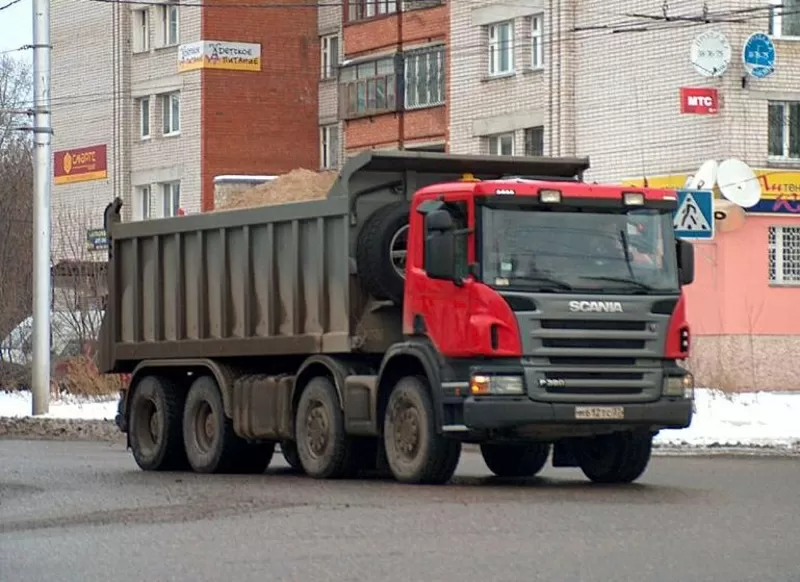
[42, 176]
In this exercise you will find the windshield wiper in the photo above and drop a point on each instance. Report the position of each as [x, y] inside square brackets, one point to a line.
[557, 283]
[628, 280]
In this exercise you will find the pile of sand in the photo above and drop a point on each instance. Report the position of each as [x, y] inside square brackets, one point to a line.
[296, 186]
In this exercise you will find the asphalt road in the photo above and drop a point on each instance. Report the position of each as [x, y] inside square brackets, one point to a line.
[82, 511]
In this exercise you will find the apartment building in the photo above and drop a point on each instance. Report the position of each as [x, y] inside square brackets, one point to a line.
[564, 78]
[382, 77]
[152, 101]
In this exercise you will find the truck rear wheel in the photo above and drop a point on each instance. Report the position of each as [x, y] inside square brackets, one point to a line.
[155, 425]
[515, 460]
[322, 444]
[211, 444]
[620, 457]
[415, 453]
[381, 251]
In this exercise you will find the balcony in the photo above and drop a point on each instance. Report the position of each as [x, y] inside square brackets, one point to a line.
[361, 10]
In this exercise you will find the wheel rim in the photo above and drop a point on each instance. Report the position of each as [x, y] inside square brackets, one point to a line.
[205, 426]
[149, 425]
[406, 430]
[317, 429]
[398, 250]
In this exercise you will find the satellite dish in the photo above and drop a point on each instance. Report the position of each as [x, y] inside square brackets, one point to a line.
[728, 216]
[705, 177]
[738, 183]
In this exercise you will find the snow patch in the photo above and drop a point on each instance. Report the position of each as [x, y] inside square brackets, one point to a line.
[20, 404]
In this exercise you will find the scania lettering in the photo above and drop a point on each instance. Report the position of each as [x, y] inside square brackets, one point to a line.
[596, 306]
[420, 306]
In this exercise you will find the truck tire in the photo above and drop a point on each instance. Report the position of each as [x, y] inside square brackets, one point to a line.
[620, 457]
[415, 453]
[380, 252]
[154, 429]
[515, 460]
[211, 444]
[289, 451]
[322, 444]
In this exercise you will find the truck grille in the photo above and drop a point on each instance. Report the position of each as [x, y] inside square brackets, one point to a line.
[594, 359]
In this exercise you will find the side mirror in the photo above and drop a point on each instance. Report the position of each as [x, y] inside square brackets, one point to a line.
[685, 262]
[440, 255]
[438, 221]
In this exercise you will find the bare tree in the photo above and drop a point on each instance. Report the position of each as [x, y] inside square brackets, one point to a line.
[16, 193]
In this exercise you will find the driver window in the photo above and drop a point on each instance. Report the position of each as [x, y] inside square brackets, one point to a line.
[458, 210]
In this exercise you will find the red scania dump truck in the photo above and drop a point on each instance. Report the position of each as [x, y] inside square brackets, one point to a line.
[430, 300]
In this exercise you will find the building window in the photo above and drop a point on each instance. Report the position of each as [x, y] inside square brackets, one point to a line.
[534, 141]
[784, 130]
[785, 18]
[368, 88]
[537, 41]
[784, 255]
[141, 203]
[144, 117]
[170, 199]
[169, 24]
[329, 48]
[171, 110]
[501, 48]
[501, 144]
[362, 9]
[141, 30]
[424, 77]
[329, 146]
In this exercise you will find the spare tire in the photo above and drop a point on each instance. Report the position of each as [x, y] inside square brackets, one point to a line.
[381, 252]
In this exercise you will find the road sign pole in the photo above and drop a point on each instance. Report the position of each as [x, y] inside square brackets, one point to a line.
[42, 160]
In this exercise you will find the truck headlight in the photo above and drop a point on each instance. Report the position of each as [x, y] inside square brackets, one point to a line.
[680, 386]
[483, 385]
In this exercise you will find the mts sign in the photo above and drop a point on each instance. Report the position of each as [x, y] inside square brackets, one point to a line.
[699, 100]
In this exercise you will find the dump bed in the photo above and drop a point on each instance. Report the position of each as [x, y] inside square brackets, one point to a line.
[272, 280]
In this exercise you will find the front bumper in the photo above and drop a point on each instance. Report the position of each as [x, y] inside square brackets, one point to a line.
[499, 413]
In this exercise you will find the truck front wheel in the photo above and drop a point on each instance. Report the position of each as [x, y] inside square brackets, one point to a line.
[515, 460]
[155, 425]
[289, 450]
[620, 457]
[414, 452]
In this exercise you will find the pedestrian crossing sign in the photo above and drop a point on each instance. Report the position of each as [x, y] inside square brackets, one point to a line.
[694, 218]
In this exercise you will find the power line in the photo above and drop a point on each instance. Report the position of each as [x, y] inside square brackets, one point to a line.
[9, 4]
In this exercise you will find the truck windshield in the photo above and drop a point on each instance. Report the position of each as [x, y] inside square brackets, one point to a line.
[589, 251]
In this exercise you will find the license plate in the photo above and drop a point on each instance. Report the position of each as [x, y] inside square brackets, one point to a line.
[599, 412]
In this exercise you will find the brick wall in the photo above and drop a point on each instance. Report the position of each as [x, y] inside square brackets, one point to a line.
[83, 99]
[154, 73]
[379, 36]
[265, 122]
[480, 105]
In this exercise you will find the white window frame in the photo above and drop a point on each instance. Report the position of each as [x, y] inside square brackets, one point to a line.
[778, 263]
[167, 13]
[417, 97]
[496, 48]
[776, 18]
[141, 30]
[329, 55]
[168, 119]
[537, 41]
[786, 154]
[496, 141]
[145, 118]
[142, 202]
[329, 146]
[168, 194]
